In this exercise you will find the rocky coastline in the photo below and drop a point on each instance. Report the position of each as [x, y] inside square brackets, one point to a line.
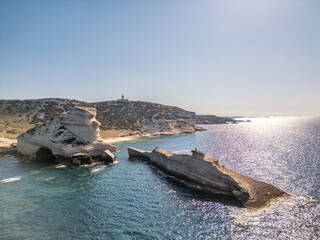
[74, 138]
[9, 146]
[118, 118]
[206, 172]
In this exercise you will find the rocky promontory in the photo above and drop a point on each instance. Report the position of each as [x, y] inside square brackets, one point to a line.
[73, 138]
[206, 172]
[118, 118]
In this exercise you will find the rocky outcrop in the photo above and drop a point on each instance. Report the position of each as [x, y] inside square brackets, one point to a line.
[207, 173]
[71, 137]
[108, 157]
[200, 129]
[81, 159]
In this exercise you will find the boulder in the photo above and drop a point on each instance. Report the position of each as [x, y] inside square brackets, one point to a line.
[107, 157]
[81, 158]
[65, 136]
[207, 173]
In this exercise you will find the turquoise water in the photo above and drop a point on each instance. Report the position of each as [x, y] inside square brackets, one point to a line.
[133, 200]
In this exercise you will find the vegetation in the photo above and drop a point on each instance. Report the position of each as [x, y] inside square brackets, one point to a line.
[114, 116]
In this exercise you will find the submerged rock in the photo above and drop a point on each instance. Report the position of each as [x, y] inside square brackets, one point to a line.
[207, 173]
[74, 137]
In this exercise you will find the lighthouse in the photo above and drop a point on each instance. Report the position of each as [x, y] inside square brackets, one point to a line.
[122, 99]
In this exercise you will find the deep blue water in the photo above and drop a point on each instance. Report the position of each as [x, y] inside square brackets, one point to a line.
[133, 200]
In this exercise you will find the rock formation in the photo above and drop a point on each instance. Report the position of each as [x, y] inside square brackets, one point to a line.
[74, 137]
[207, 173]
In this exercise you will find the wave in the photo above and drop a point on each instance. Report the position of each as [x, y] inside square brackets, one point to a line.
[60, 166]
[9, 180]
[49, 179]
[289, 216]
[88, 165]
[98, 169]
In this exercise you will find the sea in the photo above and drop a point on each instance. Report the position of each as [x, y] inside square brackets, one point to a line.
[134, 200]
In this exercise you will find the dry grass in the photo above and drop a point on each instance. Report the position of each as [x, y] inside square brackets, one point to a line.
[13, 126]
[115, 133]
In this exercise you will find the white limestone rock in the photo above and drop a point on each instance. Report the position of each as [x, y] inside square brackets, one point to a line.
[77, 132]
[207, 173]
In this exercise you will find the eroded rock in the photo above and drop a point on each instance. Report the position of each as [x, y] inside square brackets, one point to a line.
[207, 173]
[66, 136]
[108, 157]
[81, 158]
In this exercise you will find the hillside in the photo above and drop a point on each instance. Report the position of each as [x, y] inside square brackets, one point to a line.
[117, 118]
[212, 119]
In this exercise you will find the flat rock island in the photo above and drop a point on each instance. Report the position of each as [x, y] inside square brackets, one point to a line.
[206, 172]
[71, 138]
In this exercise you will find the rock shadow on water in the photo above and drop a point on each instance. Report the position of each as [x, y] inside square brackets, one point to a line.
[41, 162]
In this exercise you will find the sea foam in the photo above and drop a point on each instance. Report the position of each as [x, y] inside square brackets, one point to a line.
[9, 180]
[98, 169]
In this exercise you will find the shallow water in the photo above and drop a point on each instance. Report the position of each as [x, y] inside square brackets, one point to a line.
[133, 200]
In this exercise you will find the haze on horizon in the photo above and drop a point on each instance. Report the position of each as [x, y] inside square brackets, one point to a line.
[252, 58]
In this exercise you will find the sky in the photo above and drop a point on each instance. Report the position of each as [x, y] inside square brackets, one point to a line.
[241, 57]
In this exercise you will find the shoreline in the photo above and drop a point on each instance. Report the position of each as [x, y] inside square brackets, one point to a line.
[122, 139]
[147, 135]
[9, 145]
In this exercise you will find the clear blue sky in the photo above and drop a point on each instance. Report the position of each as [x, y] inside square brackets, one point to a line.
[221, 57]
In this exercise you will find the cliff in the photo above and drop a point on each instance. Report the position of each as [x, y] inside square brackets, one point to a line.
[207, 173]
[65, 136]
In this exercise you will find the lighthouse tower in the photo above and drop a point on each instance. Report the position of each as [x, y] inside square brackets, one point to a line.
[122, 99]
